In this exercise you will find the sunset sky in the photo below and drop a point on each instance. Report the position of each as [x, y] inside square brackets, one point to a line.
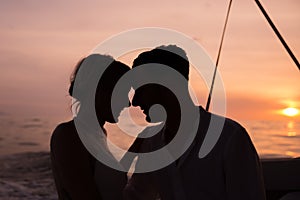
[41, 41]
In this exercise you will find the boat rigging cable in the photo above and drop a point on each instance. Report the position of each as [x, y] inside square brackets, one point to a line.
[277, 33]
[221, 43]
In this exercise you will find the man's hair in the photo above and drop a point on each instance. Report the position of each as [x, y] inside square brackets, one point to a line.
[171, 55]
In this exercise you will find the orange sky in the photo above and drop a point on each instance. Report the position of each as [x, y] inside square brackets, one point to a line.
[42, 40]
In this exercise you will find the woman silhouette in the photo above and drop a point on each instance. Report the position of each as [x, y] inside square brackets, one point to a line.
[77, 174]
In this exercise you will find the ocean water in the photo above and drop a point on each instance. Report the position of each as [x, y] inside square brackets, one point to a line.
[26, 134]
[272, 139]
[275, 138]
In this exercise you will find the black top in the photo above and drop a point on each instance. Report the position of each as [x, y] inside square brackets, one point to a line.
[73, 165]
[77, 174]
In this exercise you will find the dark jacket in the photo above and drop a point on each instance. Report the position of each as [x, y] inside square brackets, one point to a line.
[231, 171]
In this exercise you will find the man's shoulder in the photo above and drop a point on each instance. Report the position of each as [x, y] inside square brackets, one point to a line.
[232, 124]
[233, 132]
[228, 127]
[226, 122]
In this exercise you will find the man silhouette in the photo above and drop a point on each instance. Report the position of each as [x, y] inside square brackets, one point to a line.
[230, 171]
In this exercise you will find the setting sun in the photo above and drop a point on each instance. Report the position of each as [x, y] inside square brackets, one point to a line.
[291, 112]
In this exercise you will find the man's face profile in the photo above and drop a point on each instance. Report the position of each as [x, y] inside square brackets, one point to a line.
[146, 97]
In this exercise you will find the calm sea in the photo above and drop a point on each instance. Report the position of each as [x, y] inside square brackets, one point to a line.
[271, 138]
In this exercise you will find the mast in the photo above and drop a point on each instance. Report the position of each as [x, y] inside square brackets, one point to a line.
[218, 58]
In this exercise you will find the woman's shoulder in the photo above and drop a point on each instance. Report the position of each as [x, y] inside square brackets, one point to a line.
[65, 126]
[63, 130]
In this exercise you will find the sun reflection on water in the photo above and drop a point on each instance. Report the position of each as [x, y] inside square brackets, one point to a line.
[291, 129]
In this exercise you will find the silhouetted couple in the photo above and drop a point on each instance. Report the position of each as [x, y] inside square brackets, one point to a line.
[231, 170]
